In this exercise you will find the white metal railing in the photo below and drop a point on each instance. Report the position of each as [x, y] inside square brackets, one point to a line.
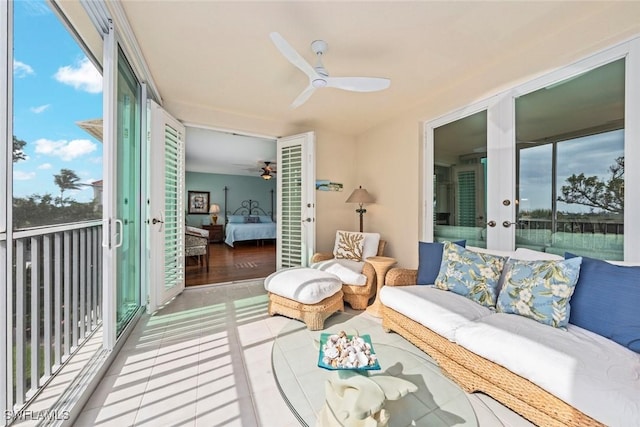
[56, 302]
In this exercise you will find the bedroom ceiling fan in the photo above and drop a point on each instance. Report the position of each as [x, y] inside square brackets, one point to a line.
[318, 75]
[267, 171]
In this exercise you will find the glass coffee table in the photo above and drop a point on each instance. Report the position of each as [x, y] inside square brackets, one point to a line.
[437, 402]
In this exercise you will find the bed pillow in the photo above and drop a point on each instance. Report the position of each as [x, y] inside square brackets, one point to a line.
[471, 274]
[236, 219]
[251, 219]
[606, 301]
[429, 260]
[265, 219]
[539, 290]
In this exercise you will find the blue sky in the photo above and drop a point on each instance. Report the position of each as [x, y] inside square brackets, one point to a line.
[55, 86]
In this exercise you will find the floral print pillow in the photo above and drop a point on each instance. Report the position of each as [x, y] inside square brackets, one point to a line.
[540, 290]
[474, 275]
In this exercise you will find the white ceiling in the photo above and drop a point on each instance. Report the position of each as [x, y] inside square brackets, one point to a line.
[215, 65]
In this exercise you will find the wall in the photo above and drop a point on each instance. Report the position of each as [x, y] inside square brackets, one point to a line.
[240, 188]
[337, 161]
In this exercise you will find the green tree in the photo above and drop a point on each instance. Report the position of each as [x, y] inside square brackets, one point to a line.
[66, 180]
[18, 145]
[597, 193]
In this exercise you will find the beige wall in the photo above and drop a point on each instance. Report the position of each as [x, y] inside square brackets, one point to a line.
[336, 156]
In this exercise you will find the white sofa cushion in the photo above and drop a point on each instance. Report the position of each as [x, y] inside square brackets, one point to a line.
[302, 284]
[350, 272]
[595, 375]
[441, 311]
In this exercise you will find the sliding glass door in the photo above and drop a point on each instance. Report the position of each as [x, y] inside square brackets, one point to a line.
[128, 195]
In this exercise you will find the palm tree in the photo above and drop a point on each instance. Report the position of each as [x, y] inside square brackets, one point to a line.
[67, 180]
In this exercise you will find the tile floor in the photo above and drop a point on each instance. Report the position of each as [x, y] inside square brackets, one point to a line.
[205, 360]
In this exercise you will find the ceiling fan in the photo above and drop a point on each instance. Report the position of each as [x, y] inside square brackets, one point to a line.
[318, 75]
[267, 171]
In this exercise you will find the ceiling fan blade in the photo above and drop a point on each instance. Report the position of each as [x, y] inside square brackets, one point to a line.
[358, 84]
[302, 98]
[292, 56]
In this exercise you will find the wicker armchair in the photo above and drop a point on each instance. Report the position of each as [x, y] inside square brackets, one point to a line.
[197, 244]
[357, 296]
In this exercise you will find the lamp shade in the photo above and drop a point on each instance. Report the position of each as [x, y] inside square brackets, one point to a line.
[360, 195]
[214, 209]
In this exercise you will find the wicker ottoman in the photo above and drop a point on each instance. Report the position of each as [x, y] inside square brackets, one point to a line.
[305, 294]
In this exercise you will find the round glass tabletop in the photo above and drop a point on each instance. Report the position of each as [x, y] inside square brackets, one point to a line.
[437, 400]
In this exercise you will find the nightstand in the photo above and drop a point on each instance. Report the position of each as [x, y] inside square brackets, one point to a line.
[216, 232]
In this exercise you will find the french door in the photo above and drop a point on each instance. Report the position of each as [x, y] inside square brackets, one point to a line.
[541, 166]
[296, 202]
[165, 207]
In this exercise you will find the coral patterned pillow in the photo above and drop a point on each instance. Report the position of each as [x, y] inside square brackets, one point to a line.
[349, 246]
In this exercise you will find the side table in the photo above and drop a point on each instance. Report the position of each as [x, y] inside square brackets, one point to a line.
[216, 232]
[381, 264]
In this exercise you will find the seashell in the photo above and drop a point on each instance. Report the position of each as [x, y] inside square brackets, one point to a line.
[331, 353]
[363, 360]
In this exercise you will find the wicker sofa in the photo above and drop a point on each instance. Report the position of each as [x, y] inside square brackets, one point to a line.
[475, 373]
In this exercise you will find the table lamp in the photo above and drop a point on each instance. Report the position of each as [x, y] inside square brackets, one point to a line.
[360, 196]
[214, 210]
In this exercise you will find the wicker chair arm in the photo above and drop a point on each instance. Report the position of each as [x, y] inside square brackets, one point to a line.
[321, 256]
[401, 277]
[370, 273]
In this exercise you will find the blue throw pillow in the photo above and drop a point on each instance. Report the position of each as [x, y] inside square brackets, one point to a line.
[265, 219]
[606, 301]
[429, 260]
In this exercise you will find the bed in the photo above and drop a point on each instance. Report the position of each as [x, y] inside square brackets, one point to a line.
[249, 222]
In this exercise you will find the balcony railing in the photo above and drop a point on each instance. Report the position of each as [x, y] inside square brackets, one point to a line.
[56, 302]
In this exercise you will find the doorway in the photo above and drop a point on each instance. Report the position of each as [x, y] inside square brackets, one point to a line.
[228, 167]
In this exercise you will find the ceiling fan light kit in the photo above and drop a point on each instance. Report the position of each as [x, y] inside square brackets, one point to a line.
[318, 75]
[267, 171]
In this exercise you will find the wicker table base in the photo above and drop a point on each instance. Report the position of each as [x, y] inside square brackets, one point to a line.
[313, 315]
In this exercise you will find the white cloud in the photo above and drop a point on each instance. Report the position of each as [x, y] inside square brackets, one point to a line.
[21, 70]
[40, 108]
[66, 150]
[23, 176]
[45, 166]
[82, 76]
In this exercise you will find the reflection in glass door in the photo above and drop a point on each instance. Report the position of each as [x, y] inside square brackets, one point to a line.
[460, 166]
[570, 165]
[128, 201]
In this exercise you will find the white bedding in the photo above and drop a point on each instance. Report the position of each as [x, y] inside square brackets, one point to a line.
[239, 232]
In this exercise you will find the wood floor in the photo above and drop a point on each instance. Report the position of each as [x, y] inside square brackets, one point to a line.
[247, 260]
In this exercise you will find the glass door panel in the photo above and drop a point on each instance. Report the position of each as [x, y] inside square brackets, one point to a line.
[570, 165]
[460, 166]
[128, 256]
